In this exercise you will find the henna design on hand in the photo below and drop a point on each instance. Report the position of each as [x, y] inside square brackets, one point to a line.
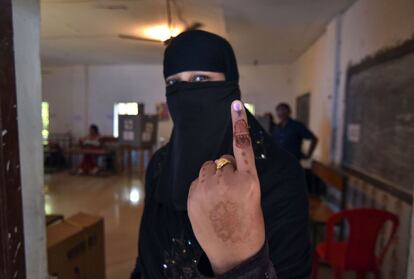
[226, 221]
[241, 134]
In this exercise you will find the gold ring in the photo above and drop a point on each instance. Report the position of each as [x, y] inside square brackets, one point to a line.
[221, 163]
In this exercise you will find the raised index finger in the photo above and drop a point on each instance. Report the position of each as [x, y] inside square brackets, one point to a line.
[242, 143]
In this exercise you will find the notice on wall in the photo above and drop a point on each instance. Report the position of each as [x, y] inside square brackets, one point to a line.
[353, 132]
[147, 133]
[128, 124]
[128, 135]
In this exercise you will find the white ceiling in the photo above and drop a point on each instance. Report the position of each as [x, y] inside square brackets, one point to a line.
[268, 31]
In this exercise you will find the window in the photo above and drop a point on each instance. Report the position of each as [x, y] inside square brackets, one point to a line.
[45, 122]
[250, 108]
[123, 109]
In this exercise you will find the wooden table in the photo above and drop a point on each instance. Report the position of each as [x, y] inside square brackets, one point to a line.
[334, 178]
[89, 150]
[78, 150]
[319, 212]
[53, 218]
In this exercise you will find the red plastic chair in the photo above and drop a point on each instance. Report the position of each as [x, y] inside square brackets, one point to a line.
[357, 252]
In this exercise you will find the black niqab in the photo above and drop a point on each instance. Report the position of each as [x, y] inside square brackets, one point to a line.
[200, 111]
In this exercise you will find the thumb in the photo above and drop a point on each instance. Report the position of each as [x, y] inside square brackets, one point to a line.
[242, 143]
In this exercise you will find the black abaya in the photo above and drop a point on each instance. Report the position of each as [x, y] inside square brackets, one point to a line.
[166, 232]
[202, 131]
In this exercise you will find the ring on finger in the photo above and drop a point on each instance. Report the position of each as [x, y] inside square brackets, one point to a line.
[220, 163]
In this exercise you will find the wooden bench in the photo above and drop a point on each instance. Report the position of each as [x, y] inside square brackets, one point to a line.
[53, 218]
[319, 211]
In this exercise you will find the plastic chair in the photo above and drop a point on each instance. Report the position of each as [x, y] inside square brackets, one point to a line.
[357, 252]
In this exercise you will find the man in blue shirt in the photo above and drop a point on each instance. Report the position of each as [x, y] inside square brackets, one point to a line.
[289, 133]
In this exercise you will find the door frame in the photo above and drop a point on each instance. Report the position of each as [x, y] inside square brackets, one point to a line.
[12, 256]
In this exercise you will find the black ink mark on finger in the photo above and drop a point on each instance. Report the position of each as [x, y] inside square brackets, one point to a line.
[241, 134]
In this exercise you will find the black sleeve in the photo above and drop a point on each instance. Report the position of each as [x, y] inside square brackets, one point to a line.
[286, 213]
[136, 274]
[272, 127]
[149, 178]
[257, 267]
[305, 132]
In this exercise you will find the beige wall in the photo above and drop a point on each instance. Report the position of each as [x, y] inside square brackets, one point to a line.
[314, 72]
[28, 83]
[265, 86]
[365, 28]
[79, 95]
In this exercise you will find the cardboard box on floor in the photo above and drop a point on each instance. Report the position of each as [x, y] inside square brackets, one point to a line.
[76, 248]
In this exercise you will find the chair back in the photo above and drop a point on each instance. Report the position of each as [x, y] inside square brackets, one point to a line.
[365, 226]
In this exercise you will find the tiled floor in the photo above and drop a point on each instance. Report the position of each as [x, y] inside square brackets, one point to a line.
[119, 199]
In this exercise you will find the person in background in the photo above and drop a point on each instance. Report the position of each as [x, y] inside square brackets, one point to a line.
[89, 161]
[290, 133]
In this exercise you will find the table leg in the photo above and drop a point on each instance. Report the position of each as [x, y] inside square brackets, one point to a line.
[129, 150]
[142, 160]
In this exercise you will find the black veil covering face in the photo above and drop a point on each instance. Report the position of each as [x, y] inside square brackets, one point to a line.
[200, 111]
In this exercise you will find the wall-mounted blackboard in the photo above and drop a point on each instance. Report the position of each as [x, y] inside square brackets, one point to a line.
[379, 130]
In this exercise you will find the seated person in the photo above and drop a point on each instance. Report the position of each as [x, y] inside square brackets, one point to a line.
[89, 161]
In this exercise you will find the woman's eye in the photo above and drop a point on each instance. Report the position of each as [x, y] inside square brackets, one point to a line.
[171, 82]
[199, 78]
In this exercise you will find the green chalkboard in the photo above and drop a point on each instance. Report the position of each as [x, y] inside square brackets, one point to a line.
[379, 118]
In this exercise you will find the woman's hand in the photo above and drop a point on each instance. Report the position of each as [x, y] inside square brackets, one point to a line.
[224, 204]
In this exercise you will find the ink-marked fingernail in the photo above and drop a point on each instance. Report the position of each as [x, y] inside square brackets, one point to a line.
[237, 106]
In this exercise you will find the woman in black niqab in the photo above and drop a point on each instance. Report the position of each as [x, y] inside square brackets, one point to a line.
[202, 131]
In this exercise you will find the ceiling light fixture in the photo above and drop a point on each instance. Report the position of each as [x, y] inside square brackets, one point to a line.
[161, 32]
